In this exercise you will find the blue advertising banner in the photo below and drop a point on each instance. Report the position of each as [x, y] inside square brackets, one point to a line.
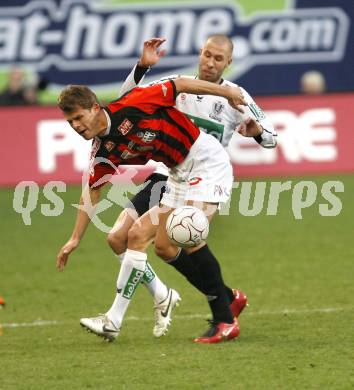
[98, 42]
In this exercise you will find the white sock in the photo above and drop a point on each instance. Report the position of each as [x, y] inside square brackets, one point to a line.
[120, 257]
[152, 282]
[129, 277]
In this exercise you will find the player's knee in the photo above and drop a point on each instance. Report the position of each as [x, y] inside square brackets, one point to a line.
[135, 235]
[117, 240]
[165, 252]
[160, 251]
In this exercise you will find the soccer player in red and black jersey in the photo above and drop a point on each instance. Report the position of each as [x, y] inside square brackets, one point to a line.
[140, 126]
[139, 130]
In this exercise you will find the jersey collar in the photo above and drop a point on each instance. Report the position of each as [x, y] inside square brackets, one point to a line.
[221, 80]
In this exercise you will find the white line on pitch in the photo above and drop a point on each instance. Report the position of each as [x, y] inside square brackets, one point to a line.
[29, 324]
[185, 316]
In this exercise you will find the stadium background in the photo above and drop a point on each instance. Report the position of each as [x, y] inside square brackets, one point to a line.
[298, 273]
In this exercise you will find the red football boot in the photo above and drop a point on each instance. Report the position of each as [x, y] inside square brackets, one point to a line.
[239, 303]
[219, 332]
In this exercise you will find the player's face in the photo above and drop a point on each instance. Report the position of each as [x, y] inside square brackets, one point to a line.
[84, 121]
[213, 60]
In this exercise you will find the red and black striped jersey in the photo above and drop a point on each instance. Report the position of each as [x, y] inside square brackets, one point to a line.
[144, 126]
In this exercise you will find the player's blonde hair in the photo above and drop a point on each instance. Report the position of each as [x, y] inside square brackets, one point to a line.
[74, 96]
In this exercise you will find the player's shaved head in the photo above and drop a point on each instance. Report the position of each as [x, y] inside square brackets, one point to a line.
[215, 57]
[222, 40]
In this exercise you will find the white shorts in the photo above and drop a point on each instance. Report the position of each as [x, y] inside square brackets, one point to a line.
[205, 175]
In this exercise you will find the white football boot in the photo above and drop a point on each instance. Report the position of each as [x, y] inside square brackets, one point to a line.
[163, 312]
[102, 326]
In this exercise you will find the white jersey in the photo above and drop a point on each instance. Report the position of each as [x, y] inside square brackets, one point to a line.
[213, 114]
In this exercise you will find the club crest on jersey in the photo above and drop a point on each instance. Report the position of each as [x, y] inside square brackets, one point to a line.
[147, 136]
[217, 109]
[109, 145]
[125, 126]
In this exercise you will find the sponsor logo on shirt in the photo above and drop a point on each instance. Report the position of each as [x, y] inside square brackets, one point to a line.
[218, 107]
[125, 126]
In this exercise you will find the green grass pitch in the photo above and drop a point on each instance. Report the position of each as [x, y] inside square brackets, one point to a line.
[297, 332]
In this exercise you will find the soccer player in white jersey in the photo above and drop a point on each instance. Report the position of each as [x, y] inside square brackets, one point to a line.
[213, 115]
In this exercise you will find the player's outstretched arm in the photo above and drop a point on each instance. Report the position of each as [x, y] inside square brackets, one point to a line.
[234, 95]
[150, 55]
[82, 221]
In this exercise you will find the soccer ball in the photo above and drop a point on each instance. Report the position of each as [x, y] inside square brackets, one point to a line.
[187, 226]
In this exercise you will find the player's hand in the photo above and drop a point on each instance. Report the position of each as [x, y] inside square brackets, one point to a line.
[151, 53]
[236, 99]
[63, 255]
[250, 128]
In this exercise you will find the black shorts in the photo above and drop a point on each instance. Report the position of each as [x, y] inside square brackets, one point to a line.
[150, 195]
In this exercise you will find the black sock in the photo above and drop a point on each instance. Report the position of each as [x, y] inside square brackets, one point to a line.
[212, 284]
[185, 265]
[229, 293]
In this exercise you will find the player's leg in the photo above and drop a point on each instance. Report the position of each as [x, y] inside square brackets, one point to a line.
[132, 270]
[210, 164]
[134, 267]
[139, 232]
[139, 238]
[182, 262]
[165, 299]
[118, 236]
[129, 277]
[129, 222]
[144, 200]
[203, 270]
